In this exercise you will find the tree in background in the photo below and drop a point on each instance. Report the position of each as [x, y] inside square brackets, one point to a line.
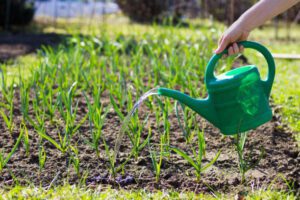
[146, 11]
[230, 10]
[226, 11]
[15, 12]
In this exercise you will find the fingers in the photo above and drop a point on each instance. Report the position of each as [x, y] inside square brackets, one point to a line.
[241, 49]
[230, 51]
[235, 49]
[222, 44]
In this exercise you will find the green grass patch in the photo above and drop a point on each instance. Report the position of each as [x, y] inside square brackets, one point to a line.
[74, 192]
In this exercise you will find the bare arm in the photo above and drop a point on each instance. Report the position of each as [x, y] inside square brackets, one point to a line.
[257, 15]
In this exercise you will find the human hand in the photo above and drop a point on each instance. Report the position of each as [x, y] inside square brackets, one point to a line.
[232, 35]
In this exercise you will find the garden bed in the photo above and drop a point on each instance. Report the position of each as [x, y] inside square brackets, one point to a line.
[281, 157]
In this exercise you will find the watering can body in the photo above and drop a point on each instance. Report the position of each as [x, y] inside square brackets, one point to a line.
[238, 100]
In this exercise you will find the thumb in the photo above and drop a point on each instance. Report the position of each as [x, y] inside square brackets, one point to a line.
[222, 45]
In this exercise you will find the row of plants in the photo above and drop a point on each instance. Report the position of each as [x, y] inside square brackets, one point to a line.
[85, 71]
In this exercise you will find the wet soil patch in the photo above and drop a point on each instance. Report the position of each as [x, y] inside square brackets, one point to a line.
[281, 158]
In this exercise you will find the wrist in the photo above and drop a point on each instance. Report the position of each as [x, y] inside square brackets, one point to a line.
[244, 24]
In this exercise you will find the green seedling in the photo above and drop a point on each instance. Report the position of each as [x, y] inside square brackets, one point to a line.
[3, 78]
[8, 119]
[196, 163]
[136, 136]
[186, 126]
[66, 109]
[166, 133]
[8, 95]
[43, 87]
[111, 158]
[48, 102]
[133, 129]
[24, 96]
[245, 164]
[7, 92]
[96, 120]
[63, 144]
[4, 160]
[24, 132]
[74, 159]
[42, 156]
[64, 140]
[40, 116]
[69, 115]
[157, 159]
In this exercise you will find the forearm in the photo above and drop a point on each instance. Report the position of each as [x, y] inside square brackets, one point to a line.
[263, 11]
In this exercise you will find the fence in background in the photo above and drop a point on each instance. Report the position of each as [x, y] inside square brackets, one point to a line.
[73, 8]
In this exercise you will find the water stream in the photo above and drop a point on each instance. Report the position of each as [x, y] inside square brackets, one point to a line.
[126, 121]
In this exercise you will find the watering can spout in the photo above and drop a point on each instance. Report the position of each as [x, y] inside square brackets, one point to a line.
[202, 106]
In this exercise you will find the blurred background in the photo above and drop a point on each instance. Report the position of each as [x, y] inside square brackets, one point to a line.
[23, 12]
[19, 17]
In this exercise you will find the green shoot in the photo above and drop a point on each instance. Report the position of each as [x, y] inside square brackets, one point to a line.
[134, 129]
[3, 160]
[157, 164]
[96, 120]
[74, 159]
[24, 96]
[197, 162]
[187, 123]
[8, 119]
[63, 144]
[244, 164]
[111, 158]
[42, 156]
[24, 132]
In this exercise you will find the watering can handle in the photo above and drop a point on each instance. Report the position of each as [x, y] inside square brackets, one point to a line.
[209, 74]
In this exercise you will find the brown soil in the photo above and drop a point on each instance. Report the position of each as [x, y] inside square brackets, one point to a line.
[14, 45]
[281, 157]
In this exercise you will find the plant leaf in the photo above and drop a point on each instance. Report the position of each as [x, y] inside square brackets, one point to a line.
[13, 150]
[185, 156]
[116, 108]
[211, 162]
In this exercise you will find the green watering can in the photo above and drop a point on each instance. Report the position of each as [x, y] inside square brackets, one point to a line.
[238, 100]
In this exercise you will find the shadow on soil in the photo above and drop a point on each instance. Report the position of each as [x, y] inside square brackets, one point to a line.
[13, 45]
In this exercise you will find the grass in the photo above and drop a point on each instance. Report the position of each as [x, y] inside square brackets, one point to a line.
[74, 192]
[24, 65]
[166, 56]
